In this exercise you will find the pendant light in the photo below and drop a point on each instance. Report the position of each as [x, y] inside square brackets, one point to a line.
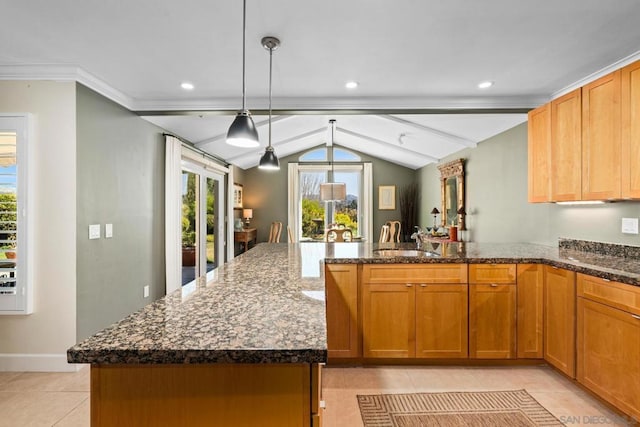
[269, 160]
[243, 132]
[332, 191]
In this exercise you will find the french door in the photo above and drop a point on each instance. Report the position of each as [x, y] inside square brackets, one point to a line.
[202, 221]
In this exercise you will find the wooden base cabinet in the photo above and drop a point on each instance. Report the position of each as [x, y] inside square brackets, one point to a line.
[560, 319]
[530, 311]
[609, 341]
[341, 288]
[414, 311]
[492, 311]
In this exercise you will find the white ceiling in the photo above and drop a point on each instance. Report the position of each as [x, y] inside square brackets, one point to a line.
[409, 56]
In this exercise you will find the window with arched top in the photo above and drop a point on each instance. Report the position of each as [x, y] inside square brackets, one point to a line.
[320, 155]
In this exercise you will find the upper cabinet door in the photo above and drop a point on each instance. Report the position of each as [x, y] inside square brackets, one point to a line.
[539, 156]
[566, 147]
[601, 138]
[631, 131]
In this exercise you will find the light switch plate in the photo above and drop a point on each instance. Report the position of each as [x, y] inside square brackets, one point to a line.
[630, 225]
[108, 231]
[94, 231]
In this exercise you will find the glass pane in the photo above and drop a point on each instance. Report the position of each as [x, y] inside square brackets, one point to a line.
[211, 225]
[312, 209]
[348, 212]
[314, 156]
[8, 212]
[189, 226]
[342, 155]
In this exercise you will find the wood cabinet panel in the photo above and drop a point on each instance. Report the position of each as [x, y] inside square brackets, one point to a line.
[630, 131]
[388, 320]
[609, 354]
[560, 319]
[442, 321]
[492, 273]
[341, 288]
[530, 302]
[617, 295]
[539, 154]
[566, 148]
[601, 138]
[492, 321]
[403, 273]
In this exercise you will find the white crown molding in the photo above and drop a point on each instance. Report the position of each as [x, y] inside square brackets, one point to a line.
[65, 73]
[600, 73]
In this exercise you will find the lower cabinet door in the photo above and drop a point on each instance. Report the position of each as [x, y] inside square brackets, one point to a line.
[609, 354]
[492, 321]
[560, 319]
[442, 321]
[388, 320]
[341, 288]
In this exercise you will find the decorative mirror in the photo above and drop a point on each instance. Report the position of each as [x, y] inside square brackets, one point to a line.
[452, 193]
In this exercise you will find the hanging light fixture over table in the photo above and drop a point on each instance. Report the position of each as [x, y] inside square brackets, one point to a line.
[332, 191]
[269, 160]
[243, 132]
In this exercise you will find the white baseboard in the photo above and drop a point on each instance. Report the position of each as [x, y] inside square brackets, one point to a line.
[16, 362]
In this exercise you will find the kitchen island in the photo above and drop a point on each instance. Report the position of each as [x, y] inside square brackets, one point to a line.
[245, 347]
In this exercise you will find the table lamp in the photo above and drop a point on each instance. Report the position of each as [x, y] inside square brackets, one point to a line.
[247, 214]
[435, 212]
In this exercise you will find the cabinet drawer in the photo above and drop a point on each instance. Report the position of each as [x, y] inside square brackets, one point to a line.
[492, 273]
[614, 294]
[405, 273]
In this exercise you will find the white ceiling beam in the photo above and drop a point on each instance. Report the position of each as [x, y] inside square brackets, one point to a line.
[379, 141]
[451, 137]
[218, 138]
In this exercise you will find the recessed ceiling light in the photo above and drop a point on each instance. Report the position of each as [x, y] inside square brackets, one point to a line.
[351, 85]
[485, 85]
[187, 86]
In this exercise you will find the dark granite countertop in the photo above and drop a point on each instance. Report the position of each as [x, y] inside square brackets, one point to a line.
[622, 269]
[267, 305]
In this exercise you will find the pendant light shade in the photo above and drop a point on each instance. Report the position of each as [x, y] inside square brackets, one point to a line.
[269, 160]
[242, 132]
[333, 191]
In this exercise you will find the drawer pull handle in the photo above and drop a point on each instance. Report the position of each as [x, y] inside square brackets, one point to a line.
[635, 316]
[423, 285]
[606, 280]
[494, 285]
[408, 285]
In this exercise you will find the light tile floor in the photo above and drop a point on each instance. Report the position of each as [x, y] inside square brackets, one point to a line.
[62, 399]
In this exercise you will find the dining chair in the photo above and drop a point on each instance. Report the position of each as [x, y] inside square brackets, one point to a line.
[338, 235]
[395, 228]
[275, 232]
[384, 234]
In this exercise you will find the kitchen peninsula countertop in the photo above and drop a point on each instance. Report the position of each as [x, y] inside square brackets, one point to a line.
[267, 305]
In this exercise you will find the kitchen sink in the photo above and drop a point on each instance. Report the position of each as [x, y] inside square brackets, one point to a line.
[404, 253]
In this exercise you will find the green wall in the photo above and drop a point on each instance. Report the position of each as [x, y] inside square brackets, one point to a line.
[496, 200]
[120, 180]
[266, 192]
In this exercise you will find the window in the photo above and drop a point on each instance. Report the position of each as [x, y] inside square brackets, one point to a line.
[308, 215]
[15, 285]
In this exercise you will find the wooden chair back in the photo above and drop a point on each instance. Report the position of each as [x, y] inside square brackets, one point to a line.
[338, 235]
[275, 232]
[384, 234]
[395, 227]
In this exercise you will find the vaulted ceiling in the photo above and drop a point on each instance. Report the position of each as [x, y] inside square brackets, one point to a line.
[417, 62]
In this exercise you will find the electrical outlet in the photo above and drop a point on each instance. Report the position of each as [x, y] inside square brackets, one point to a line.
[94, 231]
[630, 225]
[145, 291]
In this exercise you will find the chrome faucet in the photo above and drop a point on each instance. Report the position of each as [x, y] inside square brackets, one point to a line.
[417, 236]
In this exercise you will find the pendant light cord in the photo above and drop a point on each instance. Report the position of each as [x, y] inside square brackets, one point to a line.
[244, 35]
[270, 80]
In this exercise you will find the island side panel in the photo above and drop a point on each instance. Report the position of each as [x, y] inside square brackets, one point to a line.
[276, 395]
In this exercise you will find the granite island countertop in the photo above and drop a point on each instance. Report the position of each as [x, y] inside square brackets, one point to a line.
[267, 305]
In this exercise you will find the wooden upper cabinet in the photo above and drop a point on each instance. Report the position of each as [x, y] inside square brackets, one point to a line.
[539, 154]
[566, 147]
[601, 138]
[630, 135]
